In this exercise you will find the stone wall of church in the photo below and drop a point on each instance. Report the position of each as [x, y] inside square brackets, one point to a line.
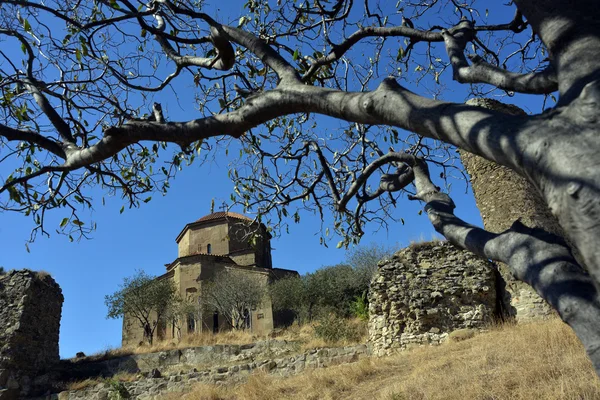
[247, 257]
[197, 239]
[188, 274]
[426, 291]
[30, 310]
[244, 238]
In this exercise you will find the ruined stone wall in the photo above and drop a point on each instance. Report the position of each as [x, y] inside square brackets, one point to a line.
[30, 309]
[503, 196]
[426, 291]
[180, 370]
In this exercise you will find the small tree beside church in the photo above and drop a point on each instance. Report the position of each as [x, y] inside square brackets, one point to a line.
[180, 311]
[233, 295]
[144, 299]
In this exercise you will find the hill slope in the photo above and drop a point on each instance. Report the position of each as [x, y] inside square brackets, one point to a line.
[534, 361]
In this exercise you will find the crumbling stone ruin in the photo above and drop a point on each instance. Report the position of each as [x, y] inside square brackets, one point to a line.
[179, 370]
[30, 309]
[426, 291]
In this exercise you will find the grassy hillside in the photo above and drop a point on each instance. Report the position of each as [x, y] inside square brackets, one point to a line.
[541, 361]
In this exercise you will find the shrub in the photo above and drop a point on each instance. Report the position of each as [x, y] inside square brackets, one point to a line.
[360, 307]
[333, 329]
[118, 391]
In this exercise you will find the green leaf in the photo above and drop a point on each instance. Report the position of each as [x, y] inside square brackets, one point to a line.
[77, 222]
[339, 245]
[400, 54]
[121, 210]
[26, 26]
[78, 55]
[64, 222]
[296, 55]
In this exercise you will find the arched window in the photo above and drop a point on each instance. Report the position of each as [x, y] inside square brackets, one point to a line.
[208, 249]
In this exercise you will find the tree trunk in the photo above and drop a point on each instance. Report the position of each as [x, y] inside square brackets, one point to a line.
[503, 196]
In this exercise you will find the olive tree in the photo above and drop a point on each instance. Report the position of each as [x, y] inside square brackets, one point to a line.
[144, 299]
[81, 105]
[181, 311]
[364, 259]
[233, 294]
[334, 289]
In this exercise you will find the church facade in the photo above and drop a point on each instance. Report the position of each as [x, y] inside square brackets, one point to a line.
[221, 241]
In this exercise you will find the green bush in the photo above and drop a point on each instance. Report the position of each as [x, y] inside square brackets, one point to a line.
[118, 391]
[340, 289]
[360, 307]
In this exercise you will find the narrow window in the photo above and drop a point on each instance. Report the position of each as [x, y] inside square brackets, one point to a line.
[191, 323]
[208, 249]
[216, 322]
[246, 319]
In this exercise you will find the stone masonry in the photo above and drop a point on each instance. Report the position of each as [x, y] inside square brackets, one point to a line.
[30, 309]
[180, 370]
[426, 291]
[503, 196]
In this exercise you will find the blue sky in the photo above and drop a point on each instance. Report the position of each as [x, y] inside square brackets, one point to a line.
[144, 238]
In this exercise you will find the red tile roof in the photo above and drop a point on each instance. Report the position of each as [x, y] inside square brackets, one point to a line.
[223, 214]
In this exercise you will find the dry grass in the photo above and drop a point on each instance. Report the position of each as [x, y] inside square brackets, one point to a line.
[200, 339]
[422, 241]
[542, 361]
[306, 337]
[120, 377]
[41, 274]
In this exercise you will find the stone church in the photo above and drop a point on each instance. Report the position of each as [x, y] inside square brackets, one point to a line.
[216, 242]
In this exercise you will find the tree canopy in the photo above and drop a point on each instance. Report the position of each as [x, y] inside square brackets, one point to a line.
[87, 88]
[144, 299]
